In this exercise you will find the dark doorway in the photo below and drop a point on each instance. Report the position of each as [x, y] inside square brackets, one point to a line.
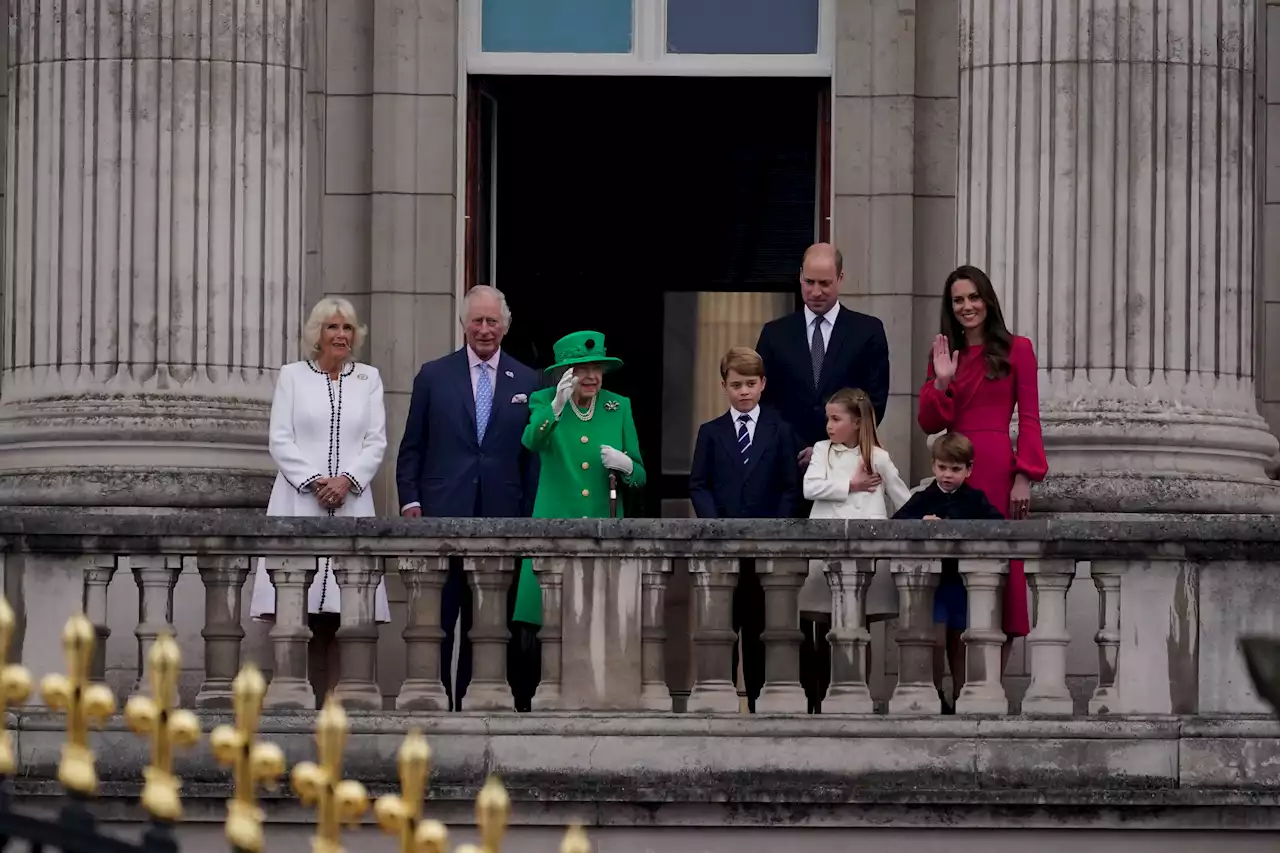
[592, 199]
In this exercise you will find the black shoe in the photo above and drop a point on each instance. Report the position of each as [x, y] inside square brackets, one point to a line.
[948, 708]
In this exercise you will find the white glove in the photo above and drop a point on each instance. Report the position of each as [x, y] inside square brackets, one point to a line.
[564, 390]
[615, 460]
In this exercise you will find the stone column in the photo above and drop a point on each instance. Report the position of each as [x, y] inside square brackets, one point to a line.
[713, 582]
[490, 578]
[1107, 186]
[1047, 644]
[781, 580]
[850, 639]
[983, 691]
[156, 576]
[654, 693]
[423, 579]
[550, 573]
[1106, 577]
[97, 580]
[152, 248]
[289, 688]
[224, 579]
[358, 579]
[916, 580]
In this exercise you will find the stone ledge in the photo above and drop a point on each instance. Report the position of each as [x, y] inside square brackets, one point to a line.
[1200, 537]
[680, 762]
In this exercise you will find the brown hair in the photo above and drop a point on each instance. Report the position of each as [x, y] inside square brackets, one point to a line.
[997, 340]
[953, 449]
[856, 402]
[741, 360]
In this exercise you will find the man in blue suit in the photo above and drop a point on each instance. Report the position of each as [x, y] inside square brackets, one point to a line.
[461, 456]
[744, 466]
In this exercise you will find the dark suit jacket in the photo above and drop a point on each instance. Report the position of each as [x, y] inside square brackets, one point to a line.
[767, 486]
[965, 502]
[443, 467]
[857, 357]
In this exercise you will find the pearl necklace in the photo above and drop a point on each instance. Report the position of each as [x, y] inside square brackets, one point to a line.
[588, 414]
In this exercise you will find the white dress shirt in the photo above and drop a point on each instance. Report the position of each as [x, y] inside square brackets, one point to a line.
[753, 418]
[490, 363]
[828, 323]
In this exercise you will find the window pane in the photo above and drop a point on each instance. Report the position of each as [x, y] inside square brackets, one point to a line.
[556, 26]
[742, 26]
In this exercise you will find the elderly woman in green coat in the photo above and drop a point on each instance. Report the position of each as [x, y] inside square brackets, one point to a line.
[581, 434]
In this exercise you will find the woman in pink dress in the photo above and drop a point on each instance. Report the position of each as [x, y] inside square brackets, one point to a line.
[978, 372]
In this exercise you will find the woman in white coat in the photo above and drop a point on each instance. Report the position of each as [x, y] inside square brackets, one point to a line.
[328, 435]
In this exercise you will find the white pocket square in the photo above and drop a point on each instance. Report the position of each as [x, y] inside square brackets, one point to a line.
[520, 398]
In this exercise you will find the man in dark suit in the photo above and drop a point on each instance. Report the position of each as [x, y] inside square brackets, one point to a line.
[744, 467]
[461, 456]
[809, 355]
[814, 352]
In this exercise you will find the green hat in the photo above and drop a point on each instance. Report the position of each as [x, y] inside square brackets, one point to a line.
[583, 348]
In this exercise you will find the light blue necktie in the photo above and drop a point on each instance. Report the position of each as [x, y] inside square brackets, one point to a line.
[484, 401]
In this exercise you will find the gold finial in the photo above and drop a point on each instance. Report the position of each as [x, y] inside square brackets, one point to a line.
[338, 801]
[15, 685]
[158, 718]
[401, 814]
[575, 840]
[492, 809]
[84, 704]
[252, 763]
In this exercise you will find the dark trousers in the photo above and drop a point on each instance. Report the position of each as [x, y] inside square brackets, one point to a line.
[748, 622]
[524, 663]
[815, 661]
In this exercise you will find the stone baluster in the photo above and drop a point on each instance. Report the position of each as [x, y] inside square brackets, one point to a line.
[358, 579]
[781, 580]
[713, 583]
[915, 693]
[654, 693]
[1050, 581]
[223, 579]
[290, 636]
[550, 572]
[849, 638]
[156, 576]
[423, 579]
[97, 578]
[983, 691]
[490, 579]
[1106, 577]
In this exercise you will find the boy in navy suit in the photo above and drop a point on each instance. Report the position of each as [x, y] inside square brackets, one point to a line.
[949, 496]
[744, 466]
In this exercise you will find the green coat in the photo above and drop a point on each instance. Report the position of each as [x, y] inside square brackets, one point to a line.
[572, 483]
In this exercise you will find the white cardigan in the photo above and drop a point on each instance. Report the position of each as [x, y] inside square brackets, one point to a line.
[826, 483]
[306, 408]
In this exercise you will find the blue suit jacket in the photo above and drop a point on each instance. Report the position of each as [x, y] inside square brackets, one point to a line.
[857, 357]
[443, 467]
[767, 485]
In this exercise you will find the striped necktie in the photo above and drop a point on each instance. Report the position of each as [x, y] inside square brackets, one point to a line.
[744, 437]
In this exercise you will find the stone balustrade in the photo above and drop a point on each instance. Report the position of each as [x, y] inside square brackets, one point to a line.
[1172, 592]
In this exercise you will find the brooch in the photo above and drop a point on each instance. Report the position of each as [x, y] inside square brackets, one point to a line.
[362, 376]
[611, 406]
[508, 374]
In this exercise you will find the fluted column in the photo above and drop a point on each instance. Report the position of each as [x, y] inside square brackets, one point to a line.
[152, 248]
[1107, 185]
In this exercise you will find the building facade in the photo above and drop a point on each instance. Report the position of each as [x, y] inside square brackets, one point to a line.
[185, 178]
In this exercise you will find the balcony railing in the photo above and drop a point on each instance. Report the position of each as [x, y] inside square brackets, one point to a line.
[1172, 595]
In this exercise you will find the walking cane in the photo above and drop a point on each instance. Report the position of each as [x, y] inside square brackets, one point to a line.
[613, 495]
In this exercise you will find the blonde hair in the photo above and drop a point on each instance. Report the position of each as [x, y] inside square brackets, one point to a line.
[742, 360]
[856, 402]
[320, 314]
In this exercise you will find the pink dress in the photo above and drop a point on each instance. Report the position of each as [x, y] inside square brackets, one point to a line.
[981, 409]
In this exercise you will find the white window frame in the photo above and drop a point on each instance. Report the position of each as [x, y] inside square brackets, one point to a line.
[648, 56]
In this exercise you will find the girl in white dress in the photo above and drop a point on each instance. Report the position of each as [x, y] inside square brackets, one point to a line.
[828, 482]
[327, 436]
